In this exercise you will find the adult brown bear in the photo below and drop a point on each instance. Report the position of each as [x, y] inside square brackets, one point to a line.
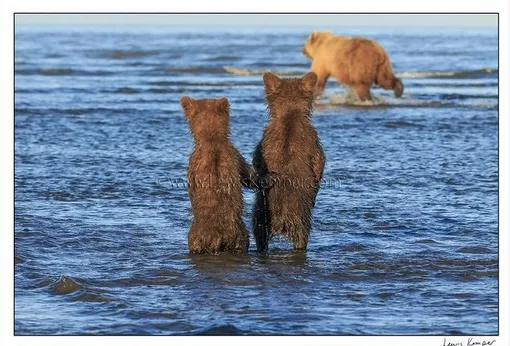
[355, 62]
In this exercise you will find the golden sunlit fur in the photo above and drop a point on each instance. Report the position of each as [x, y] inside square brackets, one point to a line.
[355, 62]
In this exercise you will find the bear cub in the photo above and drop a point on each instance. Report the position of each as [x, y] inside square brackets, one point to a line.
[289, 160]
[215, 175]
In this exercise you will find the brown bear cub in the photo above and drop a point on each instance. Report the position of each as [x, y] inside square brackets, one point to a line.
[355, 62]
[216, 173]
[289, 162]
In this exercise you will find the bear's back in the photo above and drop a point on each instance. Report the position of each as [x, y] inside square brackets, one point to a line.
[214, 179]
[288, 148]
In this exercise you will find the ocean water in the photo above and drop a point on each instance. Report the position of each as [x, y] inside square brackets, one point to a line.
[405, 232]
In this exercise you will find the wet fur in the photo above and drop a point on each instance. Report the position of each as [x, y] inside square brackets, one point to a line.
[356, 62]
[290, 159]
[216, 172]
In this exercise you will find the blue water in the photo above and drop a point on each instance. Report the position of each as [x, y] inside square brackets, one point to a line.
[405, 233]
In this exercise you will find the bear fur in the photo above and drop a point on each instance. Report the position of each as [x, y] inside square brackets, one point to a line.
[288, 161]
[215, 174]
[355, 62]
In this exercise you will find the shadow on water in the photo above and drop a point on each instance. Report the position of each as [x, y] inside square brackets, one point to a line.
[221, 261]
[283, 257]
[227, 261]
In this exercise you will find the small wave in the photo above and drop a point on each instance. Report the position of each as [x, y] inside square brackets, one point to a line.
[369, 215]
[426, 241]
[374, 266]
[401, 123]
[164, 83]
[250, 72]
[354, 248]
[193, 69]
[355, 296]
[54, 72]
[137, 281]
[92, 297]
[383, 227]
[165, 90]
[385, 295]
[127, 54]
[449, 74]
[227, 329]
[65, 285]
[467, 97]
[223, 58]
[477, 275]
[349, 99]
[42, 283]
[70, 111]
[57, 195]
[452, 262]
[126, 90]
[475, 250]
[451, 83]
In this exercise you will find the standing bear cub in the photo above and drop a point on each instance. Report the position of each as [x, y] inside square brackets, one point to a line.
[216, 173]
[355, 62]
[289, 162]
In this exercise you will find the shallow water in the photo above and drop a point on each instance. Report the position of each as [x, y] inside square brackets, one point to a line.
[405, 235]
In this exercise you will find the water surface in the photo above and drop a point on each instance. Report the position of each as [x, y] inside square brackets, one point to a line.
[405, 234]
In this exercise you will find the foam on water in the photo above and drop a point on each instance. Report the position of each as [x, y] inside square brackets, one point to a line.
[406, 74]
[253, 72]
[349, 98]
[452, 74]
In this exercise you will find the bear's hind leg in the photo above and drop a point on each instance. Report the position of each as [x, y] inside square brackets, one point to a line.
[203, 240]
[298, 231]
[237, 239]
[362, 90]
[391, 83]
[398, 88]
[261, 222]
[299, 238]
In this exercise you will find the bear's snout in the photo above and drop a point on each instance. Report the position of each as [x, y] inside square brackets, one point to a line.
[305, 53]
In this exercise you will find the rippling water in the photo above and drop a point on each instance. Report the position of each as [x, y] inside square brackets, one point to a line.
[405, 235]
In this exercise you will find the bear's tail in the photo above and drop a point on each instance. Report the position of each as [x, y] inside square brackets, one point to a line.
[261, 222]
[387, 80]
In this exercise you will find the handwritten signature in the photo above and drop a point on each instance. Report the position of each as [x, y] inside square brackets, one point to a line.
[470, 342]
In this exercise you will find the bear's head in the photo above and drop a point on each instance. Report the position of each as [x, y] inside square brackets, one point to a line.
[314, 41]
[284, 95]
[207, 118]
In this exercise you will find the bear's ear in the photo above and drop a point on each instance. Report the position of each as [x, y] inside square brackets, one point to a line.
[188, 104]
[222, 105]
[316, 35]
[308, 81]
[272, 82]
[313, 37]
